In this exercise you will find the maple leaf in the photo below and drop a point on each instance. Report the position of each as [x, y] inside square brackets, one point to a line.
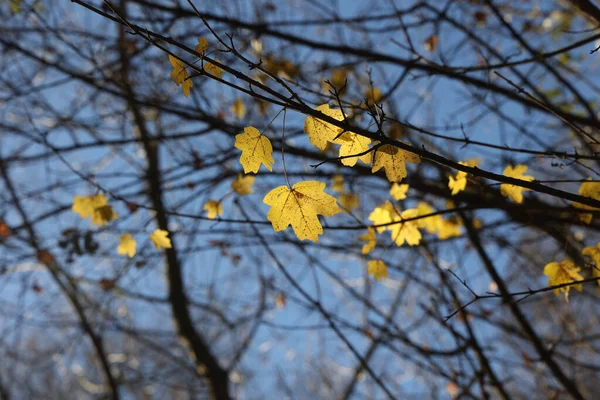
[214, 208]
[588, 189]
[594, 253]
[213, 69]
[160, 240]
[103, 214]
[515, 193]
[243, 184]
[238, 108]
[299, 207]
[127, 245]
[398, 192]
[448, 228]
[321, 132]
[4, 230]
[337, 184]
[406, 231]
[372, 96]
[355, 144]
[431, 223]
[392, 159]
[561, 273]
[202, 45]
[180, 76]
[458, 183]
[383, 214]
[349, 201]
[256, 149]
[371, 240]
[85, 205]
[377, 268]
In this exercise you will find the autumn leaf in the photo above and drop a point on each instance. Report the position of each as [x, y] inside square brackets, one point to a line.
[126, 245]
[371, 240]
[160, 240]
[432, 223]
[458, 183]
[355, 144]
[321, 132]
[398, 192]
[594, 253]
[349, 201]
[243, 184]
[406, 231]
[377, 268]
[299, 207]
[373, 96]
[213, 69]
[588, 189]
[337, 184]
[448, 228]
[179, 75]
[392, 159]
[238, 108]
[202, 45]
[86, 205]
[381, 215]
[561, 273]
[103, 215]
[214, 208]
[256, 149]
[515, 193]
[4, 230]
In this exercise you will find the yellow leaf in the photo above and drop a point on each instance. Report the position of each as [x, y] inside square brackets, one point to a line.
[299, 207]
[337, 184]
[588, 189]
[243, 184]
[238, 108]
[321, 132]
[458, 183]
[373, 96]
[377, 268]
[406, 231]
[256, 149]
[202, 45]
[392, 159]
[371, 240]
[85, 205]
[103, 214]
[214, 208]
[515, 193]
[179, 75]
[338, 79]
[594, 253]
[561, 273]
[213, 69]
[398, 192]
[127, 245]
[160, 240]
[349, 201]
[355, 144]
[382, 215]
[448, 228]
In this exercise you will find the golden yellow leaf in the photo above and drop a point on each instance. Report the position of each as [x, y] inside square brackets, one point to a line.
[180, 76]
[398, 192]
[85, 205]
[406, 231]
[371, 240]
[103, 214]
[431, 223]
[202, 45]
[392, 159]
[377, 268]
[458, 183]
[448, 228]
[213, 69]
[355, 144]
[243, 184]
[373, 95]
[160, 240]
[383, 214]
[238, 108]
[515, 193]
[349, 201]
[338, 79]
[299, 207]
[594, 253]
[321, 132]
[588, 189]
[256, 149]
[337, 184]
[561, 273]
[214, 208]
[127, 245]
